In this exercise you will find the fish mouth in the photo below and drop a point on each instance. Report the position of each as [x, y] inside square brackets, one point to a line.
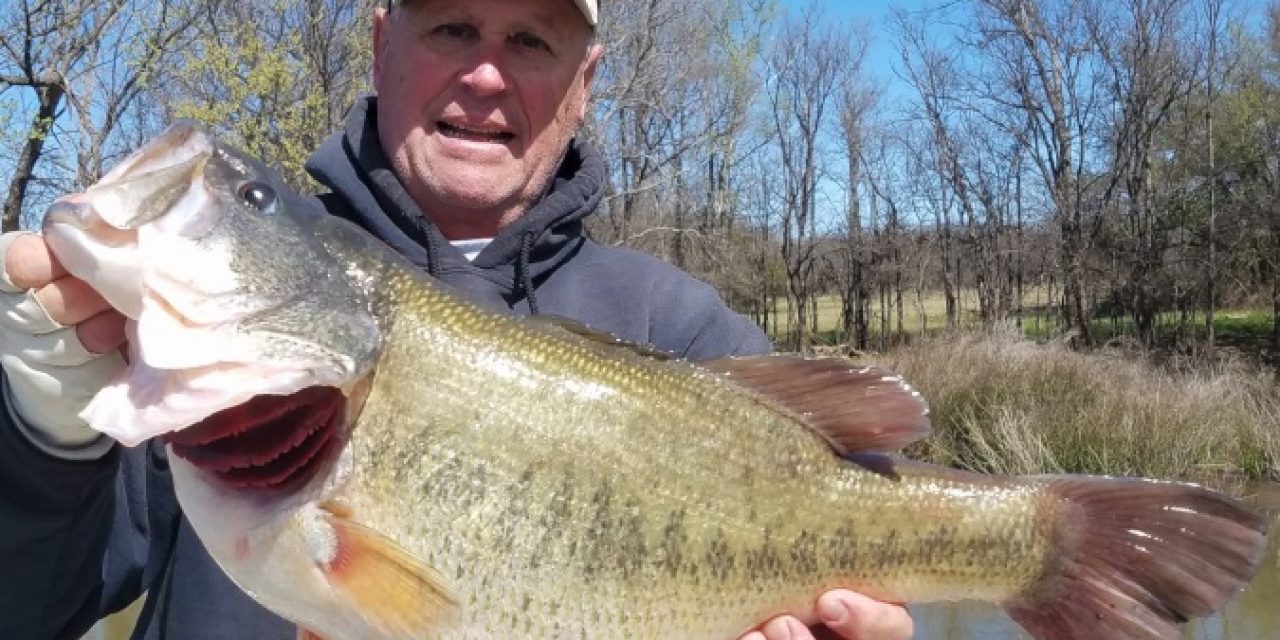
[141, 237]
[183, 140]
[269, 442]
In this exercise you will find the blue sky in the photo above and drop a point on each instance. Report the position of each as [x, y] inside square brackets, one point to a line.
[876, 14]
[881, 57]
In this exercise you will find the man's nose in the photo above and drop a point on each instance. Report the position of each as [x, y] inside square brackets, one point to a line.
[484, 76]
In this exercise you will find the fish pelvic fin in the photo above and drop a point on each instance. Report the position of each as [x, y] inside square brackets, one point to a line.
[1135, 558]
[394, 591]
[304, 634]
[855, 407]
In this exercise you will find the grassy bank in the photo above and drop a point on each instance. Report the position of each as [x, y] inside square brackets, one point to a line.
[1007, 405]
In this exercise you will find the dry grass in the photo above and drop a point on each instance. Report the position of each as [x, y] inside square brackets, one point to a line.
[1007, 405]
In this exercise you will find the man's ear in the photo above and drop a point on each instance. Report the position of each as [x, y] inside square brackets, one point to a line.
[589, 77]
[379, 42]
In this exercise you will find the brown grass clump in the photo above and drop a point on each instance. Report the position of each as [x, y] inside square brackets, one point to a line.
[1002, 404]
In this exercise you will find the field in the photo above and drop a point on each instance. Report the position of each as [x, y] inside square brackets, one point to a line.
[1246, 329]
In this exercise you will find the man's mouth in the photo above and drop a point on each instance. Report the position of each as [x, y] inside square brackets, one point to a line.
[475, 134]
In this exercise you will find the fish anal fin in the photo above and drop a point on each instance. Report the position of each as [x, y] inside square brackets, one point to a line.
[395, 592]
[857, 408]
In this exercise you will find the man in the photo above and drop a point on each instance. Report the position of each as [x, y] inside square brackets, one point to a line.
[467, 149]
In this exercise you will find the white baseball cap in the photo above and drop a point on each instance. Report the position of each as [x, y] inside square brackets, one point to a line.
[590, 9]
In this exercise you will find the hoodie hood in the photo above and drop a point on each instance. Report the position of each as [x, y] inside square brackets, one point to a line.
[352, 164]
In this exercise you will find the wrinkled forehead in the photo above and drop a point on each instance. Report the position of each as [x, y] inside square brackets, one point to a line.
[588, 8]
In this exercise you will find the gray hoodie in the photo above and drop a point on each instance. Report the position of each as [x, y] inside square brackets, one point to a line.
[82, 539]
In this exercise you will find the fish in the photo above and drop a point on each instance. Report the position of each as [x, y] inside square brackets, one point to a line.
[436, 469]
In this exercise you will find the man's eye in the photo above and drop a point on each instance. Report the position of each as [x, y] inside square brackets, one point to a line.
[530, 41]
[457, 31]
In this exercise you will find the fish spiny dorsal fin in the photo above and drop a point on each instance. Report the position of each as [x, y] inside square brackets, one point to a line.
[857, 408]
[564, 325]
[395, 592]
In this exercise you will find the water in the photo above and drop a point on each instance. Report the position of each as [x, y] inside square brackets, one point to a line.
[1252, 615]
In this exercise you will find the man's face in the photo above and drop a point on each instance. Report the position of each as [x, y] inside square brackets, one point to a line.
[477, 100]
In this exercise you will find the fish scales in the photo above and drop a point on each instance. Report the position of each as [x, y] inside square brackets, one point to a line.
[580, 470]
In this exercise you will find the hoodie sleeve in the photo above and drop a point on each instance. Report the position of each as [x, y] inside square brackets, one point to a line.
[69, 544]
[693, 322]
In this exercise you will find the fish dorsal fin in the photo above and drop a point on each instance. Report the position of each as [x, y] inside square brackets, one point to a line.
[561, 324]
[855, 407]
[394, 591]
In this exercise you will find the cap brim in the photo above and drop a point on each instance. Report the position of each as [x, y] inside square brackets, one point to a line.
[590, 10]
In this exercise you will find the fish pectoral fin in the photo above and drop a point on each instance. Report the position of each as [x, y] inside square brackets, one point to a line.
[393, 590]
[856, 408]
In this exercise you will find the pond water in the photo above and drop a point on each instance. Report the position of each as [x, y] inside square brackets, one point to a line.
[1254, 614]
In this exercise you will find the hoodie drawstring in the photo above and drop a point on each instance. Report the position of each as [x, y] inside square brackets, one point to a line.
[522, 267]
[428, 240]
[433, 253]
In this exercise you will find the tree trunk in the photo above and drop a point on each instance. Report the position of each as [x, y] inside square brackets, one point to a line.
[50, 98]
[1078, 319]
[1274, 261]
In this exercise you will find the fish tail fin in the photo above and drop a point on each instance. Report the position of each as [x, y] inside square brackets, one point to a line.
[1135, 558]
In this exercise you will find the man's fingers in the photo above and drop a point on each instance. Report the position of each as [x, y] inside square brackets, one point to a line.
[102, 333]
[785, 628]
[27, 261]
[70, 301]
[857, 617]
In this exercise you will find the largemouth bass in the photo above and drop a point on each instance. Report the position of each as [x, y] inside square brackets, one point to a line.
[451, 472]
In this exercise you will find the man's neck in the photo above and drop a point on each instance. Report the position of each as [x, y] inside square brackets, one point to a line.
[457, 224]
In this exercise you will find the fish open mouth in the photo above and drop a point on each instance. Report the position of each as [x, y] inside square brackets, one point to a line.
[269, 442]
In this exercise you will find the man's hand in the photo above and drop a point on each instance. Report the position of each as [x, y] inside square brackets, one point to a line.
[845, 615]
[59, 342]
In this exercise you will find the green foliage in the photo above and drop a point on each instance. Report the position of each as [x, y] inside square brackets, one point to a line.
[252, 107]
[270, 81]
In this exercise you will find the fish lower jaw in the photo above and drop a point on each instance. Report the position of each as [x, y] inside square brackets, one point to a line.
[231, 523]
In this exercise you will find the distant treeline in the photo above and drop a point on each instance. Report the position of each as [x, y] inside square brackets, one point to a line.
[1121, 158]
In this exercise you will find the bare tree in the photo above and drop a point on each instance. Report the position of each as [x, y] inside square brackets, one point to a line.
[1041, 53]
[1138, 42]
[806, 66]
[91, 60]
[1213, 13]
[856, 100]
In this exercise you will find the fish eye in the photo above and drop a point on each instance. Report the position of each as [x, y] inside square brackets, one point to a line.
[258, 195]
